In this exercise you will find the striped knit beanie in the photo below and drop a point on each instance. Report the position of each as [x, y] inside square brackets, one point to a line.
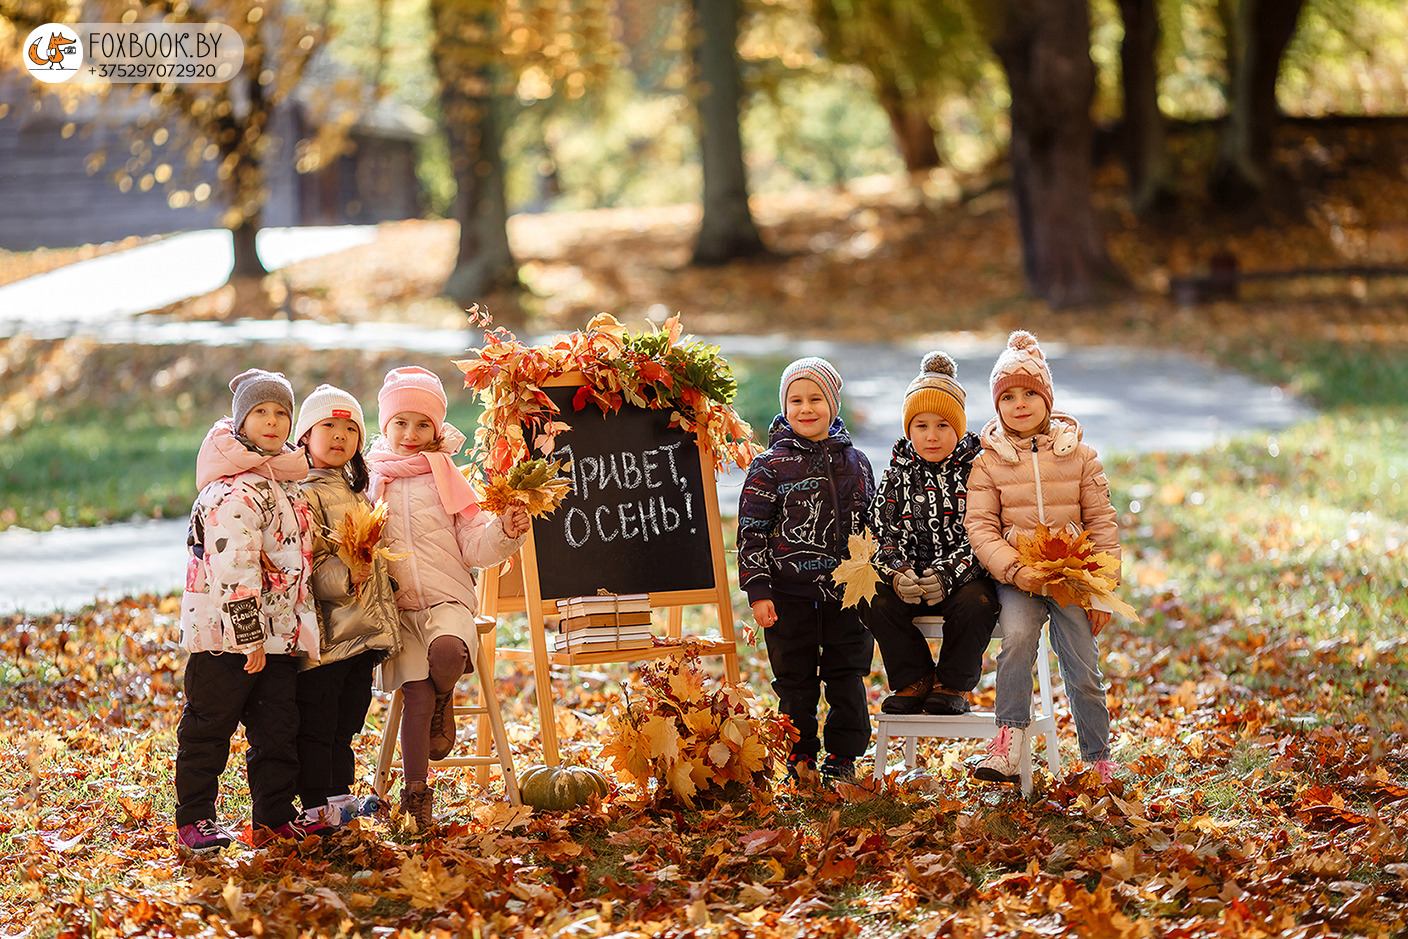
[818, 370]
[936, 390]
[1021, 365]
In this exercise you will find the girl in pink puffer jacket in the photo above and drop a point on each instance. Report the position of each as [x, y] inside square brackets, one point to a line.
[1034, 470]
[434, 520]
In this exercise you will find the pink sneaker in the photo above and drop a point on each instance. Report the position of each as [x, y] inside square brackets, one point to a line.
[203, 837]
[1108, 770]
[297, 830]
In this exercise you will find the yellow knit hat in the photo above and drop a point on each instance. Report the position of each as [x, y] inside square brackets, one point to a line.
[936, 390]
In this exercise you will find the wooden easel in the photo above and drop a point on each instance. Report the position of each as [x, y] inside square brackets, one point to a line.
[520, 591]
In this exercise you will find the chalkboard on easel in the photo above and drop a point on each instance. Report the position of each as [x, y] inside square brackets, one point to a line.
[636, 519]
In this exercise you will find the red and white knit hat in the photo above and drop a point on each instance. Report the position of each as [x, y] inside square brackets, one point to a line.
[411, 388]
[1021, 365]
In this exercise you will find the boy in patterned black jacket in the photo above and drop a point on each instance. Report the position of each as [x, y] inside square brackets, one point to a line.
[926, 564]
[803, 498]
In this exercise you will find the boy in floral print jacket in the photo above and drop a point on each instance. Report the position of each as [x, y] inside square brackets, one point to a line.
[246, 615]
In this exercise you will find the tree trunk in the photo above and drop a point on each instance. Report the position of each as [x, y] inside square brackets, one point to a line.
[1146, 149]
[464, 56]
[914, 134]
[241, 144]
[1044, 46]
[247, 263]
[1263, 31]
[727, 230]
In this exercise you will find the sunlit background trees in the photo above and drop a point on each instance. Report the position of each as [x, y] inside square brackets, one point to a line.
[542, 105]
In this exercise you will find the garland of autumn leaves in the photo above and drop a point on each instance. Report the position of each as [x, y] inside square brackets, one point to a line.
[648, 370]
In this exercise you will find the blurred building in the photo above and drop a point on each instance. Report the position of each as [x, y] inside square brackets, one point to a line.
[54, 193]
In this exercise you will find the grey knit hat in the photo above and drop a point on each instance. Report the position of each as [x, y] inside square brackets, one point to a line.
[255, 386]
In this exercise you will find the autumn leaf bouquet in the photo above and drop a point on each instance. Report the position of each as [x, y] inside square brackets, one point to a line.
[697, 742]
[1072, 571]
[358, 539]
[534, 484]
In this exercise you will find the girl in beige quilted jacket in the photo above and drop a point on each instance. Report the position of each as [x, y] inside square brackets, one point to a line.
[1035, 470]
[357, 619]
[434, 522]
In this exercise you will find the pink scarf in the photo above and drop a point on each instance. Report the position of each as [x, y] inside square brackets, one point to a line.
[456, 494]
[221, 454]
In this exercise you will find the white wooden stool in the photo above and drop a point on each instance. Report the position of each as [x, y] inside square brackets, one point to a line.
[975, 724]
[488, 708]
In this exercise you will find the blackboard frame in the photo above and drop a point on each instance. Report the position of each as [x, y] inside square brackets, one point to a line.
[518, 588]
[636, 519]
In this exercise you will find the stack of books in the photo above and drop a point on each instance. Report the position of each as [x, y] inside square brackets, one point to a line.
[605, 623]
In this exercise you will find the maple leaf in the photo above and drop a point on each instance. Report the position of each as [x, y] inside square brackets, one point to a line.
[856, 573]
[681, 779]
[428, 885]
[662, 738]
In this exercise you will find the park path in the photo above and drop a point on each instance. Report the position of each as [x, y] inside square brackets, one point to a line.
[1128, 400]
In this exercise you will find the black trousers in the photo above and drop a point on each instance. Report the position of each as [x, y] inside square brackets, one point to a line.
[814, 644]
[220, 696]
[969, 613]
[332, 707]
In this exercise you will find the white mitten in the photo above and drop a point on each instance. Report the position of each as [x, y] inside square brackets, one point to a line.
[907, 586]
[933, 588]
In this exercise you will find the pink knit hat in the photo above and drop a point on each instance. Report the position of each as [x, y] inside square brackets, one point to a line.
[1021, 365]
[411, 388]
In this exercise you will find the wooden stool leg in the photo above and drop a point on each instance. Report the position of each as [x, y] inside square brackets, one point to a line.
[1025, 765]
[496, 724]
[882, 752]
[390, 733]
[486, 688]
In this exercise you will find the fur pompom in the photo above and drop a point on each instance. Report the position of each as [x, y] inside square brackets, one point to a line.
[1023, 340]
[940, 363]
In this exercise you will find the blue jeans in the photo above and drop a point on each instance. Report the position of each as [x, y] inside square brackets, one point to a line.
[1022, 618]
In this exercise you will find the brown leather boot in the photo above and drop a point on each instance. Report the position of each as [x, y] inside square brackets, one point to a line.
[418, 803]
[910, 698]
[442, 726]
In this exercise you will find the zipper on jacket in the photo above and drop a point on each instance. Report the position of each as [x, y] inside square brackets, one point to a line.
[835, 502]
[1036, 474]
[406, 514]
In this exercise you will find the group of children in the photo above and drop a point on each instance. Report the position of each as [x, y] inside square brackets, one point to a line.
[284, 637]
[287, 639]
[944, 518]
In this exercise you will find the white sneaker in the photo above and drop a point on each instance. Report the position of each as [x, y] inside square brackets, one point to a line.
[1004, 760]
